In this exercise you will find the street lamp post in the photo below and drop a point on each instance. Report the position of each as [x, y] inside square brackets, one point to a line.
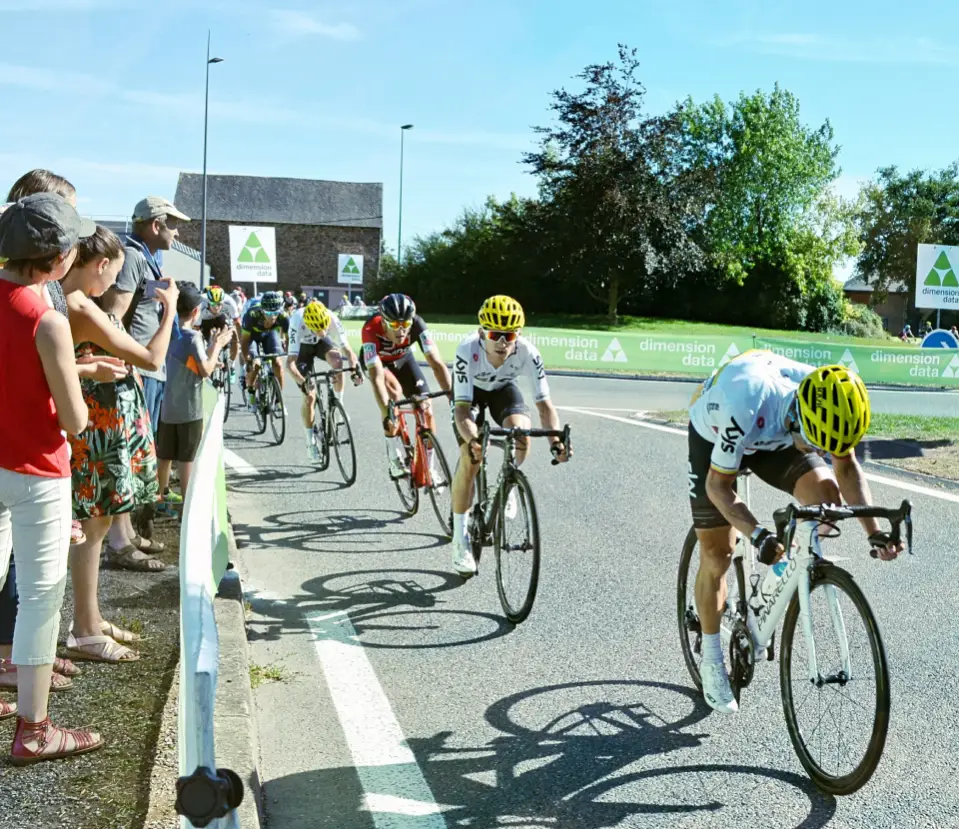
[206, 120]
[399, 235]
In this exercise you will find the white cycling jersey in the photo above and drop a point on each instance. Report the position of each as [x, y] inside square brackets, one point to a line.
[300, 334]
[744, 405]
[227, 308]
[472, 369]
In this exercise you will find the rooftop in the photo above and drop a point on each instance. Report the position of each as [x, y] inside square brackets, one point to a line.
[857, 284]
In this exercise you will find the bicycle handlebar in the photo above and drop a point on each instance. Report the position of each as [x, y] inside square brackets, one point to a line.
[413, 400]
[515, 432]
[333, 372]
[839, 512]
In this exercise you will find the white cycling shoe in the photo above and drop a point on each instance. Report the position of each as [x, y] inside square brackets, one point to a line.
[463, 562]
[511, 510]
[716, 689]
[313, 452]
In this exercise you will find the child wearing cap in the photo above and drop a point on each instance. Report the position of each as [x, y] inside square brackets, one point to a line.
[38, 235]
[187, 363]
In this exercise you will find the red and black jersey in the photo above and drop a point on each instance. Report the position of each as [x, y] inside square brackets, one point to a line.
[377, 344]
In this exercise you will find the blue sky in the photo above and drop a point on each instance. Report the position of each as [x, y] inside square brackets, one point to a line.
[110, 92]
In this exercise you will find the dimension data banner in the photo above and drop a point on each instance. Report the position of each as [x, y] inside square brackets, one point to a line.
[699, 356]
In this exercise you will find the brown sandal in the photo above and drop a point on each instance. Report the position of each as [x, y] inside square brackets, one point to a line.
[35, 742]
[98, 649]
[118, 634]
[147, 545]
[130, 558]
[8, 678]
[7, 709]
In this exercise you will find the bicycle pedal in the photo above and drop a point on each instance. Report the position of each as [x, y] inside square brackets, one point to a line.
[771, 649]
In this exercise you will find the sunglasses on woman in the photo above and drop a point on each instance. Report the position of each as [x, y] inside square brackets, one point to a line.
[496, 336]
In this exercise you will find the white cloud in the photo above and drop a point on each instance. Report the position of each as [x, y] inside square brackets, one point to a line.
[294, 23]
[57, 5]
[809, 46]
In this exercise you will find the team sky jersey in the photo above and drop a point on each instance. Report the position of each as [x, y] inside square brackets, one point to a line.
[472, 369]
[227, 308]
[744, 404]
[253, 322]
[377, 345]
[300, 334]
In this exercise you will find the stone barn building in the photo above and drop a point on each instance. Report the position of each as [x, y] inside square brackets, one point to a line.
[315, 221]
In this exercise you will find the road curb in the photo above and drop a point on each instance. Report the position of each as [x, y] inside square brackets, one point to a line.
[234, 719]
[931, 481]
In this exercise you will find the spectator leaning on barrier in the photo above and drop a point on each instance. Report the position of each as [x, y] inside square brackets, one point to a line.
[38, 235]
[114, 462]
[187, 363]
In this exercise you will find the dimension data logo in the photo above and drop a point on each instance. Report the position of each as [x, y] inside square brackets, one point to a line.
[253, 251]
[941, 275]
[350, 267]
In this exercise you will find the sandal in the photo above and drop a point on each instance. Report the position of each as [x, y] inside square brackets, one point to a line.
[118, 634]
[7, 709]
[35, 742]
[65, 667]
[130, 558]
[98, 649]
[8, 678]
[76, 533]
[147, 545]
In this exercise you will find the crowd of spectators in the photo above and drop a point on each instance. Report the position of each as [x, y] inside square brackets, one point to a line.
[103, 344]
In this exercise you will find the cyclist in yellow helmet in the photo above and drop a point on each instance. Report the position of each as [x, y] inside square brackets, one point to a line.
[219, 310]
[776, 417]
[317, 334]
[485, 371]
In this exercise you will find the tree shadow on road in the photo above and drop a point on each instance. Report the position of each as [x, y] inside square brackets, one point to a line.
[393, 609]
[585, 755]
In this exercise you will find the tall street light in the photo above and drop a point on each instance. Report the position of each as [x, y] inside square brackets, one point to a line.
[399, 237]
[206, 121]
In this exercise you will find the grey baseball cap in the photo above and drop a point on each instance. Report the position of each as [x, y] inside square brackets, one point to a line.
[41, 225]
[152, 207]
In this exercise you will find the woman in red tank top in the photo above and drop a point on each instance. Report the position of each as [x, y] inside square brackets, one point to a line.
[38, 235]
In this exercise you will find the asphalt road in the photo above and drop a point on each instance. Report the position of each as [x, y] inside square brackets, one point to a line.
[409, 702]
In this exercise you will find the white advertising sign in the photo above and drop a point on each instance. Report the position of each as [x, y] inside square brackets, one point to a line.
[252, 253]
[349, 270]
[937, 285]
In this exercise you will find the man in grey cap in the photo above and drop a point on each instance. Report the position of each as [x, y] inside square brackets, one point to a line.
[155, 223]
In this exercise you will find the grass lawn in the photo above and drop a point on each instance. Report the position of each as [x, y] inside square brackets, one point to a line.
[655, 325]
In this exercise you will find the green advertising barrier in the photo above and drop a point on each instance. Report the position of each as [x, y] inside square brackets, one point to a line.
[221, 551]
[698, 356]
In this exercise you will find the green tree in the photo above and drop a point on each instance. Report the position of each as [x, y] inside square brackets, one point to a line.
[898, 212]
[615, 205]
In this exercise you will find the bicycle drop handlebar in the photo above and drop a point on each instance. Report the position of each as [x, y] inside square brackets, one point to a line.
[413, 400]
[898, 517]
[515, 432]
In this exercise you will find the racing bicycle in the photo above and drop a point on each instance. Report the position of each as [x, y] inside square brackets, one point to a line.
[221, 379]
[331, 426]
[268, 398]
[424, 463]
[509, 504]
[832, 662]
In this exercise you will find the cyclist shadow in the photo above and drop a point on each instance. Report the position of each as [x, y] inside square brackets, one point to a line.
[566, 769]
[391, 609]
[290, 479]
[331, 531]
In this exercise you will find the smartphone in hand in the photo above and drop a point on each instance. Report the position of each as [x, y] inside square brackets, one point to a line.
[150, 288]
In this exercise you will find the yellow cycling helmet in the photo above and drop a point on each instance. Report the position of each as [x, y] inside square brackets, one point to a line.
[833, 409]
[502, 313]
[215, 294]
[317, 316]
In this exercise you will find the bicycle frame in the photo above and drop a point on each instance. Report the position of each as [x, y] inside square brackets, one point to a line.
[489, 505]
[399, 411]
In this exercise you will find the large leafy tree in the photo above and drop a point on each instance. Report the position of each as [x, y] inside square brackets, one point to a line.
[897, 213]
[615, 201]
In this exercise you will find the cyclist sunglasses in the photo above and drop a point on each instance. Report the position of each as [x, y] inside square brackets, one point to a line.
[271, 313]
[495, 336]
[396, 324]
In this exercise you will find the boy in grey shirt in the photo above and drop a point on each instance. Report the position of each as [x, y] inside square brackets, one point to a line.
[187, 363]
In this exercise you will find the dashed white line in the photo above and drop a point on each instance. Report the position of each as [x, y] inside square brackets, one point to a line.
[870, 476]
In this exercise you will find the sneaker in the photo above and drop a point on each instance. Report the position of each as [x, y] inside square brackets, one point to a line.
[512, 504]
[397, 469]
[313, 452]
[172, 497]
[716, 690]
[463, 562]
[232, 375]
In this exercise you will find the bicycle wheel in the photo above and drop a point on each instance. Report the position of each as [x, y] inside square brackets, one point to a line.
[440, 485]
[226, 390]
[261, 407]
[690, 631]
[320, 432]
[406, 486]
[517, 557]
[277, 411]
[341, 436]
[816, 711]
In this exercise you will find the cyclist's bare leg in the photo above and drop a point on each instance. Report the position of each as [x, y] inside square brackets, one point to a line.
[463, 478]
[307, 410]
[817, 486]
[427, 411]
[715, 554]
[278, 371]
[336, 363]
[519, 421]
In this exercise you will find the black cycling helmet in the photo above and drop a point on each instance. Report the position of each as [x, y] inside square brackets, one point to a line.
[397, 308]
[272, 302]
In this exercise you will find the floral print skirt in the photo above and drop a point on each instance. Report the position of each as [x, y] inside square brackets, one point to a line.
[114, 464]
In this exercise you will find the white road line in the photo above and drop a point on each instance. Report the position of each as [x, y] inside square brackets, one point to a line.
[397, 794]
[871, 476]
[237, 464]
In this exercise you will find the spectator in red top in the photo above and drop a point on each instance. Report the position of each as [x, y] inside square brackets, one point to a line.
[38, 236]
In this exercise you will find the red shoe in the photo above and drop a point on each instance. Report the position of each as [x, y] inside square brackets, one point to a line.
[35, 742]
[7, 709]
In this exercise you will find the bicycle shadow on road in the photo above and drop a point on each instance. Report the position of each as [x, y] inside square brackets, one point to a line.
[292, 479]
[566, 757]
[332, 531]
[391, 609]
